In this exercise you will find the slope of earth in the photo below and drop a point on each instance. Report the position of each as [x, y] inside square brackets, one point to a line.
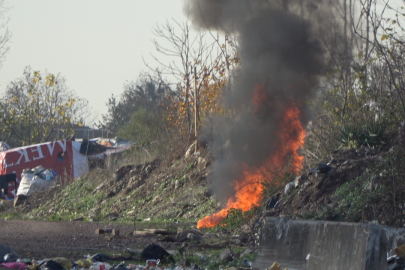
[168, 190]
[358, 185]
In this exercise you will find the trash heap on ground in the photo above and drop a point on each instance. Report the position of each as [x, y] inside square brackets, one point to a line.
[396, 258]
[37, 179]
[153, 257]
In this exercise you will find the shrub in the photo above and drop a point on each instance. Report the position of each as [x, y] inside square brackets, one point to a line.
[354, 135]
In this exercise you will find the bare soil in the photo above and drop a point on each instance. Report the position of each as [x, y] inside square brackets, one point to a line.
[69, 239]
[75, 240]
[314, 194]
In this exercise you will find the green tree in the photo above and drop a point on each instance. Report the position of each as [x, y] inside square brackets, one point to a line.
[146, 93]
[145, 127]
[39, 107]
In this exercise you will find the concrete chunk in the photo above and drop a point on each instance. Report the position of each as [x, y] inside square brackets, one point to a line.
[331, 245]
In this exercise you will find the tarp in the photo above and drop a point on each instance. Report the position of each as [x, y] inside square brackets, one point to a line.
[61, 156]
[31, 182]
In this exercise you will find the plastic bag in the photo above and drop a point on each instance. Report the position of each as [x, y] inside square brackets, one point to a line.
[10, 257]
[100, 266]
[25, 184]
[50, 265]
[14, 265]
[31, 182]
[66, 264]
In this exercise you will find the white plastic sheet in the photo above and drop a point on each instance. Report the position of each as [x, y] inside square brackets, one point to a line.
[31, 183]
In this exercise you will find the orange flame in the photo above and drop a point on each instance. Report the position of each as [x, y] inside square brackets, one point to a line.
[248, 191]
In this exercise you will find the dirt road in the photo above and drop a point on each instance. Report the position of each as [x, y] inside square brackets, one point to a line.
[72, 240]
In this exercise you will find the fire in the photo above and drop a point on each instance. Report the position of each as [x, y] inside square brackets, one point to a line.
[249, 188]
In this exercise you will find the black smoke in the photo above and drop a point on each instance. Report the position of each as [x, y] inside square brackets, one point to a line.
[280, 45]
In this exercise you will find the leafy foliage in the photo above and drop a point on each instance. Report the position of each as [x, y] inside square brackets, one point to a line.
[39, 107]
[146, 94]
[354, 135]
[377, 194]
[144, 127]
[354, 201]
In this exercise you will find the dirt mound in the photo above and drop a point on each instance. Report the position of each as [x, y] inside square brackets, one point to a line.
[171, 188]
[349, 185]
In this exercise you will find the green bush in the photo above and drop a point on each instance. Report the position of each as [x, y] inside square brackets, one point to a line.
[369, 133]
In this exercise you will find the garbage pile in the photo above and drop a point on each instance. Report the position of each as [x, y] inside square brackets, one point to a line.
[152, 255]
[397, 259]
[37, 179]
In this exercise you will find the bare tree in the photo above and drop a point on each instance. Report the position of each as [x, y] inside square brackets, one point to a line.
[197, 61]
[5, 34]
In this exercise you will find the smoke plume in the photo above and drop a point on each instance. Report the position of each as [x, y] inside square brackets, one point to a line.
[281, 53]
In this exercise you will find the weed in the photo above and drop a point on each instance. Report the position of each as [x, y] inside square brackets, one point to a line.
[189, 166]
[369, 133]
[377, 194]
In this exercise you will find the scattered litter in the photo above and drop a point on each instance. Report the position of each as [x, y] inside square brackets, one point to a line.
[396, 261]
[271, 203]
[10, 257]
[50, 265]
[322, 168]
[65, 263]
[156, 252]
[100, 266]
[274, 266]
[14, 265]
[289, 187]
[4, 251]
[297, 181]
[100, 257]
[247, 263]
[37, 179]
[152, 263]
[400, 251]
[84, 263]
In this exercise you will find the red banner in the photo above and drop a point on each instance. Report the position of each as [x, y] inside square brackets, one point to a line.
[57, 156]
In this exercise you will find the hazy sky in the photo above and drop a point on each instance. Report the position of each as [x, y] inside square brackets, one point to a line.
[97, 45]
